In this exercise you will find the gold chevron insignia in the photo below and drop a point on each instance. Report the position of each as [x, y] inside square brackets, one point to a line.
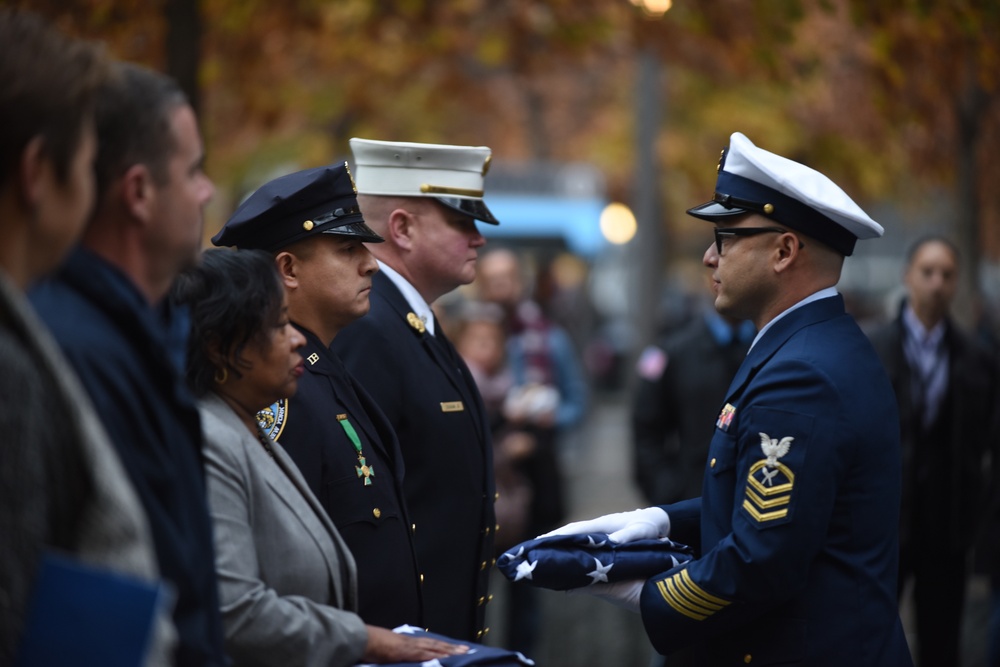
[688, 598]
[768, 491]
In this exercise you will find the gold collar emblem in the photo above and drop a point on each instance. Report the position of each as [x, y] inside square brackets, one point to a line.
[414, 321]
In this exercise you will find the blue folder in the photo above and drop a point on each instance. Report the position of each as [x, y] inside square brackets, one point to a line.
[79, 614]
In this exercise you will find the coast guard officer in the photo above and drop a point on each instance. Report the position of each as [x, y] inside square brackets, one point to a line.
[425, 200]
[331, 427]
[797, 523]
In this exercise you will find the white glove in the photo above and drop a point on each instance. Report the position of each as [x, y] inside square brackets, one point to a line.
[624, 594]
[646, 524]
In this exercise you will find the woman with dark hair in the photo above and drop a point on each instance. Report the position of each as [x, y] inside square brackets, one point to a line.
[287, 582]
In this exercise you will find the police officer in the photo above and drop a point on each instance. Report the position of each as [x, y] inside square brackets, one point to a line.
[800, 503]
[425, 200]
[331, 427]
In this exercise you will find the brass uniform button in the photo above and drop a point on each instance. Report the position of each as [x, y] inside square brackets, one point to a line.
[496, 496]
[711, 464]
[747, 658]
[486, 631]
[489, 598]
[413, 528]
[487, 531]
[481, 602]
[769, 208]
[494, 562]
[482, 566]
[421, 577]
[377, 512]
[479, 635]
[496, 527]
[308, 225]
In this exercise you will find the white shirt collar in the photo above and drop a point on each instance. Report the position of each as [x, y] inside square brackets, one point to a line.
[412, 296]
[929, 339]
[816, 296]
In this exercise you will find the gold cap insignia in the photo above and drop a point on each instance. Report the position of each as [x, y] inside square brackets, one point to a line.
[351, 176]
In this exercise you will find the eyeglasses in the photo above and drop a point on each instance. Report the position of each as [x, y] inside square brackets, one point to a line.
[742, 231]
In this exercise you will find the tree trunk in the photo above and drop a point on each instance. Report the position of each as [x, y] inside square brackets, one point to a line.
[648, 243]
[967, 209]
[184, 46]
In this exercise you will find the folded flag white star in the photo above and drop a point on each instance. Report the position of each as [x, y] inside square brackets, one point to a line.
[478, 654]
[563, 562]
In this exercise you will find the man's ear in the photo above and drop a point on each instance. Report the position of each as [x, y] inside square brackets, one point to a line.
[138, 192]
[288, 266]
[787, 251]
[401, 228]
[35, 169]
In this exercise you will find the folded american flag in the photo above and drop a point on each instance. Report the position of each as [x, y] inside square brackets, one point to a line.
[562, 562]
[477, 655]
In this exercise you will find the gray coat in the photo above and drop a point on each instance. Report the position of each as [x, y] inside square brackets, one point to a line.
[62, 485]
[287, 582]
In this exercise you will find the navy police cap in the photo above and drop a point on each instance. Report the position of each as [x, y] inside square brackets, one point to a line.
[753, 180]
[297, 206]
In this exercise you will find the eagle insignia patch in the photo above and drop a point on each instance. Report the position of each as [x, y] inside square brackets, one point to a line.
[770, 482]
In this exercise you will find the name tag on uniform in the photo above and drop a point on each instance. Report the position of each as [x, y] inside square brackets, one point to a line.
[452, 406]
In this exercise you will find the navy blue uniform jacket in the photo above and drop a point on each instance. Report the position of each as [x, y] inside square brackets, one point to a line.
[371, 518]
[798, 559]
[121, 350]
[431, 400]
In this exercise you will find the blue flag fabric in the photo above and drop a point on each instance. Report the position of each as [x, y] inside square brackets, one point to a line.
[562, 562]
[477, 655]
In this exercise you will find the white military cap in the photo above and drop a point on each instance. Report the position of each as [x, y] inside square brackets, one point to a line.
[753, 180]
[453, 175]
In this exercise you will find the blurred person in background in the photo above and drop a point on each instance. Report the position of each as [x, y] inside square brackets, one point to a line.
[988, 562]
[424, 200]
[947, 387]
[62, 486]
[332, 428]
[547, 399]
[106, 308]
[480, 338]
[681, 385]
[288, 582]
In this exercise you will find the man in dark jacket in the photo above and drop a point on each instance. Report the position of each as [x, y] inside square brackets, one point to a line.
[104, 308]
[425, 199]
[681, 384]
[800, 496]
[947, 388]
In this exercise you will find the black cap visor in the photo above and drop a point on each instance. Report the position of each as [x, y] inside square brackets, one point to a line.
[713, 210]
[358, 230]
[475, 208]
